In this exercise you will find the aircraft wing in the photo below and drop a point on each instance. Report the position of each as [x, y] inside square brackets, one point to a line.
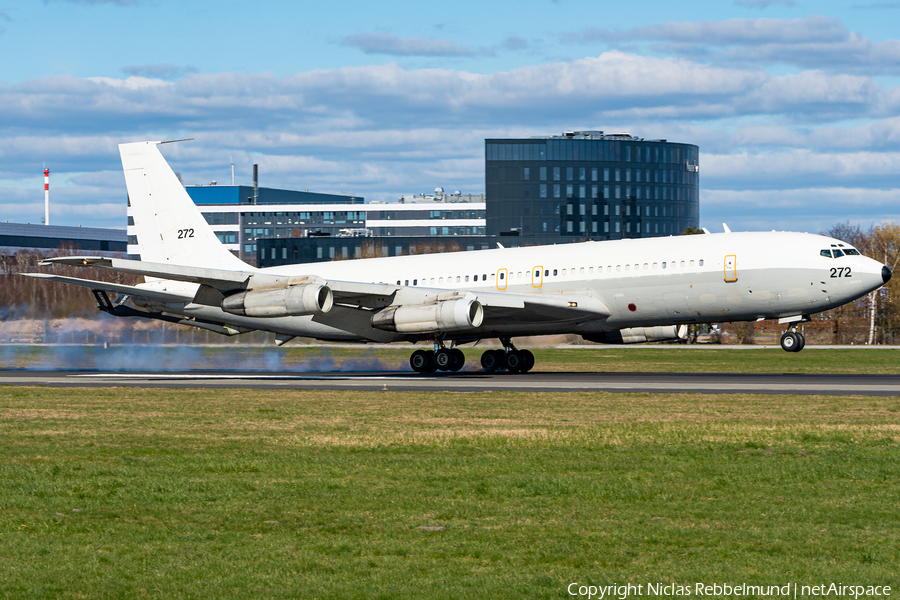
[152, 294]
[500, 307]
[217, 278]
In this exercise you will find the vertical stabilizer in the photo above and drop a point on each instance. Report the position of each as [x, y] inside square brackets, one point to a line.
[169, 227]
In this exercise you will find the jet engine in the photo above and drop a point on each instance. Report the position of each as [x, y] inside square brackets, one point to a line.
[293, 301]
[636, 335]
[450, 315]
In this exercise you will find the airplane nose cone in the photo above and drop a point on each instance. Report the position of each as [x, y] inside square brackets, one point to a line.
[885, 274]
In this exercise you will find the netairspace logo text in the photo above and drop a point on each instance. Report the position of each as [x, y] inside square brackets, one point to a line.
[722, 590]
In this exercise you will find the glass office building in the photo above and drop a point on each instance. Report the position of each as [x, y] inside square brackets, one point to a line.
[590, 185]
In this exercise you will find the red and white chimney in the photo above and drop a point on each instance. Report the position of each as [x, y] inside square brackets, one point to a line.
[46, 196]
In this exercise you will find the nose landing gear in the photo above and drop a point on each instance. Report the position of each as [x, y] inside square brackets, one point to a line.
[792, 341]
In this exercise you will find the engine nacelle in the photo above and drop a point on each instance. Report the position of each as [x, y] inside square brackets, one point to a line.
[451, 315]
[636, 335]
[294, 301]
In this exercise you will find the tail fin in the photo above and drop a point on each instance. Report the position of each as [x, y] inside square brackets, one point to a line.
[169, 227]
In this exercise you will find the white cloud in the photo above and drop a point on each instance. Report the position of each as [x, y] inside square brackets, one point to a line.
[159, 71]
[809, 42]
[386, 43]
[381, 131]
[763, 3]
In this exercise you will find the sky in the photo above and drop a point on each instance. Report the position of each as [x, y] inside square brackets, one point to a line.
[795, 105]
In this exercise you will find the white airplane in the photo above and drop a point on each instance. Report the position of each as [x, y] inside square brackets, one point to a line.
[621, 291]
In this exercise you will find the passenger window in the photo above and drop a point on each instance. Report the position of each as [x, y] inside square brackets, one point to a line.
[590, 270]
[692, 263]
[654, 266]
[415, 282]
[407, 282]
[432, 281]
[618, 268]
[646, 267]
[492, 277]
[546, 272]
[837, 253]
[825, 253]
[682, 264]
[467, 278]
[581, 271]
[564, 272]
[701, 262]
[457, 279]
[501, 276]
[484, 277]
[398, 282]
[664, 265]
[554, 272]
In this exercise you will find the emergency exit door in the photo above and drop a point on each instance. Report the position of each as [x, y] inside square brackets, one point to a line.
[731, 268]
[537, 276]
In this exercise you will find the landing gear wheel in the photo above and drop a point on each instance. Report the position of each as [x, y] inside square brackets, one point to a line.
[802, 341]
[491, 360]
[527, 360]
[514, 361]
[418, 360]
[443, 358]
[790, 342]
[459, 359]
[422, 361]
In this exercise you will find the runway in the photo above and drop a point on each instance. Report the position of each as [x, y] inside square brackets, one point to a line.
[707, 383]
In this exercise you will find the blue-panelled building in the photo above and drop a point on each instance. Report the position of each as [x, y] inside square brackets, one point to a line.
[590, 185]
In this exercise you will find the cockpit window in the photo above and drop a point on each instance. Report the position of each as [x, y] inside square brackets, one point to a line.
[852, 252]
[837, 253]
[825, 253]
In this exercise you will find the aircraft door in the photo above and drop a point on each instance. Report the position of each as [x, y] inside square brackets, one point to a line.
[502, 274]
[731, 268]
[537, 276]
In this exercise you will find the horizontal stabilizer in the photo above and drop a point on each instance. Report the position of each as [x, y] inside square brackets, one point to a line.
[118, 288]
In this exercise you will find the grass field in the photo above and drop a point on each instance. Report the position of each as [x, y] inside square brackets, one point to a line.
[131, 493]
[396, 358]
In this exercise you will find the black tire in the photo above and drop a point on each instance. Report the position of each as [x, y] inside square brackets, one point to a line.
[790, 342]
[802, 342]
[419, 361]
[515, 362]
[490, 360]
[459, 359]
[443, 359]
[527, 359]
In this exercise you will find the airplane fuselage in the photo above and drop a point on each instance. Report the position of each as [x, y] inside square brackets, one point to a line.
[643, 283]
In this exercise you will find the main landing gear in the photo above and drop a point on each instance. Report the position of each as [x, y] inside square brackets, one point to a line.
[452, 359]
[792, 341]
[509, 359]
[445, 359]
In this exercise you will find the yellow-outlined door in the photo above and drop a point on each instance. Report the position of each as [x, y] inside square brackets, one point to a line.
[537, 276]
[502, 276]
[731, 268]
